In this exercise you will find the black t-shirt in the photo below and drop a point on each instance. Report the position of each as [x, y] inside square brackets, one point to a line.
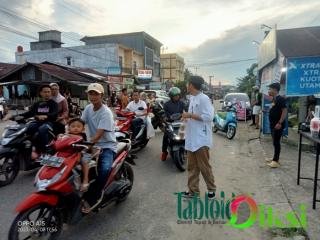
[278, 104]
[48, 108]
[171, 107]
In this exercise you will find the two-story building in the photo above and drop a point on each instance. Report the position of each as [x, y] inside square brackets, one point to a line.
[119, 56]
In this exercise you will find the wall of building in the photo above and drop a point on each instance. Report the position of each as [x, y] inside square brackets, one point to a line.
[98, 57]
[172, 67]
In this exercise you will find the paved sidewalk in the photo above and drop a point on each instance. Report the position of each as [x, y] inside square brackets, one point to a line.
[281, 183]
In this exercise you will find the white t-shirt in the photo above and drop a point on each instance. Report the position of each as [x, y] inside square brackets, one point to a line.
[133, 107]
[101, 119]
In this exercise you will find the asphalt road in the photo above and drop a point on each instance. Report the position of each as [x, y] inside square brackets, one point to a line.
[150, 212]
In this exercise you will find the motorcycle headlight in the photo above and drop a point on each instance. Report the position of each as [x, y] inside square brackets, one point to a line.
[4, 132]
[42, 184]
[5, 141]
[176, 137]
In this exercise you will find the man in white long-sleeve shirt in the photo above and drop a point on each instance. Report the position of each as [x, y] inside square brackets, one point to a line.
[199, 138]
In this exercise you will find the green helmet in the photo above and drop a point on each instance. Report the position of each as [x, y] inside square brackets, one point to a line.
[174, 91]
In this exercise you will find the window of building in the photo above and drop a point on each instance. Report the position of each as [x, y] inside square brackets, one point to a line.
[120, 61]
[149, 57]
[68, 60]
[134, 66]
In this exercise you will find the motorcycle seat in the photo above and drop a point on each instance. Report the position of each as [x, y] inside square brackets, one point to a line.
[222, 115]
[120, 147]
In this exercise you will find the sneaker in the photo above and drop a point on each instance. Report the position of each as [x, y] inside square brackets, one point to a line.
[274, 164]
[269, 160]
[211, 195]
[189, 195]
[164, 156]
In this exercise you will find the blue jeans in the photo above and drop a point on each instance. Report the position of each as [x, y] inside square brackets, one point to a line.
[105, 163]
[43, 129]
[104, 166]
[136, 126]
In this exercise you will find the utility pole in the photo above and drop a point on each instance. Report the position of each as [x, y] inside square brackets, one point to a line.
[196, 68]
[210, 77]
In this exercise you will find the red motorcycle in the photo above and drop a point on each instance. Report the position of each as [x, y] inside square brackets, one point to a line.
[58, 198]
[123, 129]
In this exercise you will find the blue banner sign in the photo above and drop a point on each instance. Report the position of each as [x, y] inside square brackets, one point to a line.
[303, 76]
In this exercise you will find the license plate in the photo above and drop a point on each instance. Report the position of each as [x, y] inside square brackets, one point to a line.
[51, 161]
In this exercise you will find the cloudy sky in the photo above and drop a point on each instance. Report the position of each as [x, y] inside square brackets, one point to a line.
[204, 32]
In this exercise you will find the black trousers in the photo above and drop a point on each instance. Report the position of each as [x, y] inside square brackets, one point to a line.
[253, 117]
[165, 142]
[136, 126]
[276, 138]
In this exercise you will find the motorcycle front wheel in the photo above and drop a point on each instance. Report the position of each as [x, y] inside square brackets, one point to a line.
[179, 159]
[231, 132]
[39, 222]
[9, 168]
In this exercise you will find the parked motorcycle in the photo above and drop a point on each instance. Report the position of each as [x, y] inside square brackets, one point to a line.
[174, 130]
[3, 108]
[58, 198]
[15, 150]
[123, 129]
[226, 121]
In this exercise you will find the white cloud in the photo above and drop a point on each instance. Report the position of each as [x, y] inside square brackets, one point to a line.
[181, 25]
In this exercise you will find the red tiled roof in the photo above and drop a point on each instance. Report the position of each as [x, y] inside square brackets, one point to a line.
[6, 68]
[64, 74]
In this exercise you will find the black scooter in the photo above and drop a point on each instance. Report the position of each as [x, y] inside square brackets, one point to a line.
[15, 150]
[174, 129]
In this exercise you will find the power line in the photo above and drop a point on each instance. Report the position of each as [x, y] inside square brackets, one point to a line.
[34, 22]
[220, 63]
[12, 30]
[73, 10]
[14, 14]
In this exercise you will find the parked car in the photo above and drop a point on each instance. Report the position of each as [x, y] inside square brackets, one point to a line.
[160, 95]
[242, 102]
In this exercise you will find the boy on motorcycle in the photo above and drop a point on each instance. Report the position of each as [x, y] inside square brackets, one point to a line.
[175, 105]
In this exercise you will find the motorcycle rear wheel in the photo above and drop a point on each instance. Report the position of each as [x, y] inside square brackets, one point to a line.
[39, 222]
[9, 168]
[127, 173]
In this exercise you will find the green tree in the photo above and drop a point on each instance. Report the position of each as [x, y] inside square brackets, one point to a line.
[246, 83]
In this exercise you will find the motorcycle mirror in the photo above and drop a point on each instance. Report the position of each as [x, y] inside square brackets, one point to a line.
[141, 108]
[221, 101]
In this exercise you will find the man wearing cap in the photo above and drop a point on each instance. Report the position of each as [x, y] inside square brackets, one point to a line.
[198, 138]
[277, 116]
[100, 123]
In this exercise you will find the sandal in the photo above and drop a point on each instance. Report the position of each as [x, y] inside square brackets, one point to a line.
[84, 187]
[86, 208]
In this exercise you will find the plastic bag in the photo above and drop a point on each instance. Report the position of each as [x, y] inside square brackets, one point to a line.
[150, 130]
